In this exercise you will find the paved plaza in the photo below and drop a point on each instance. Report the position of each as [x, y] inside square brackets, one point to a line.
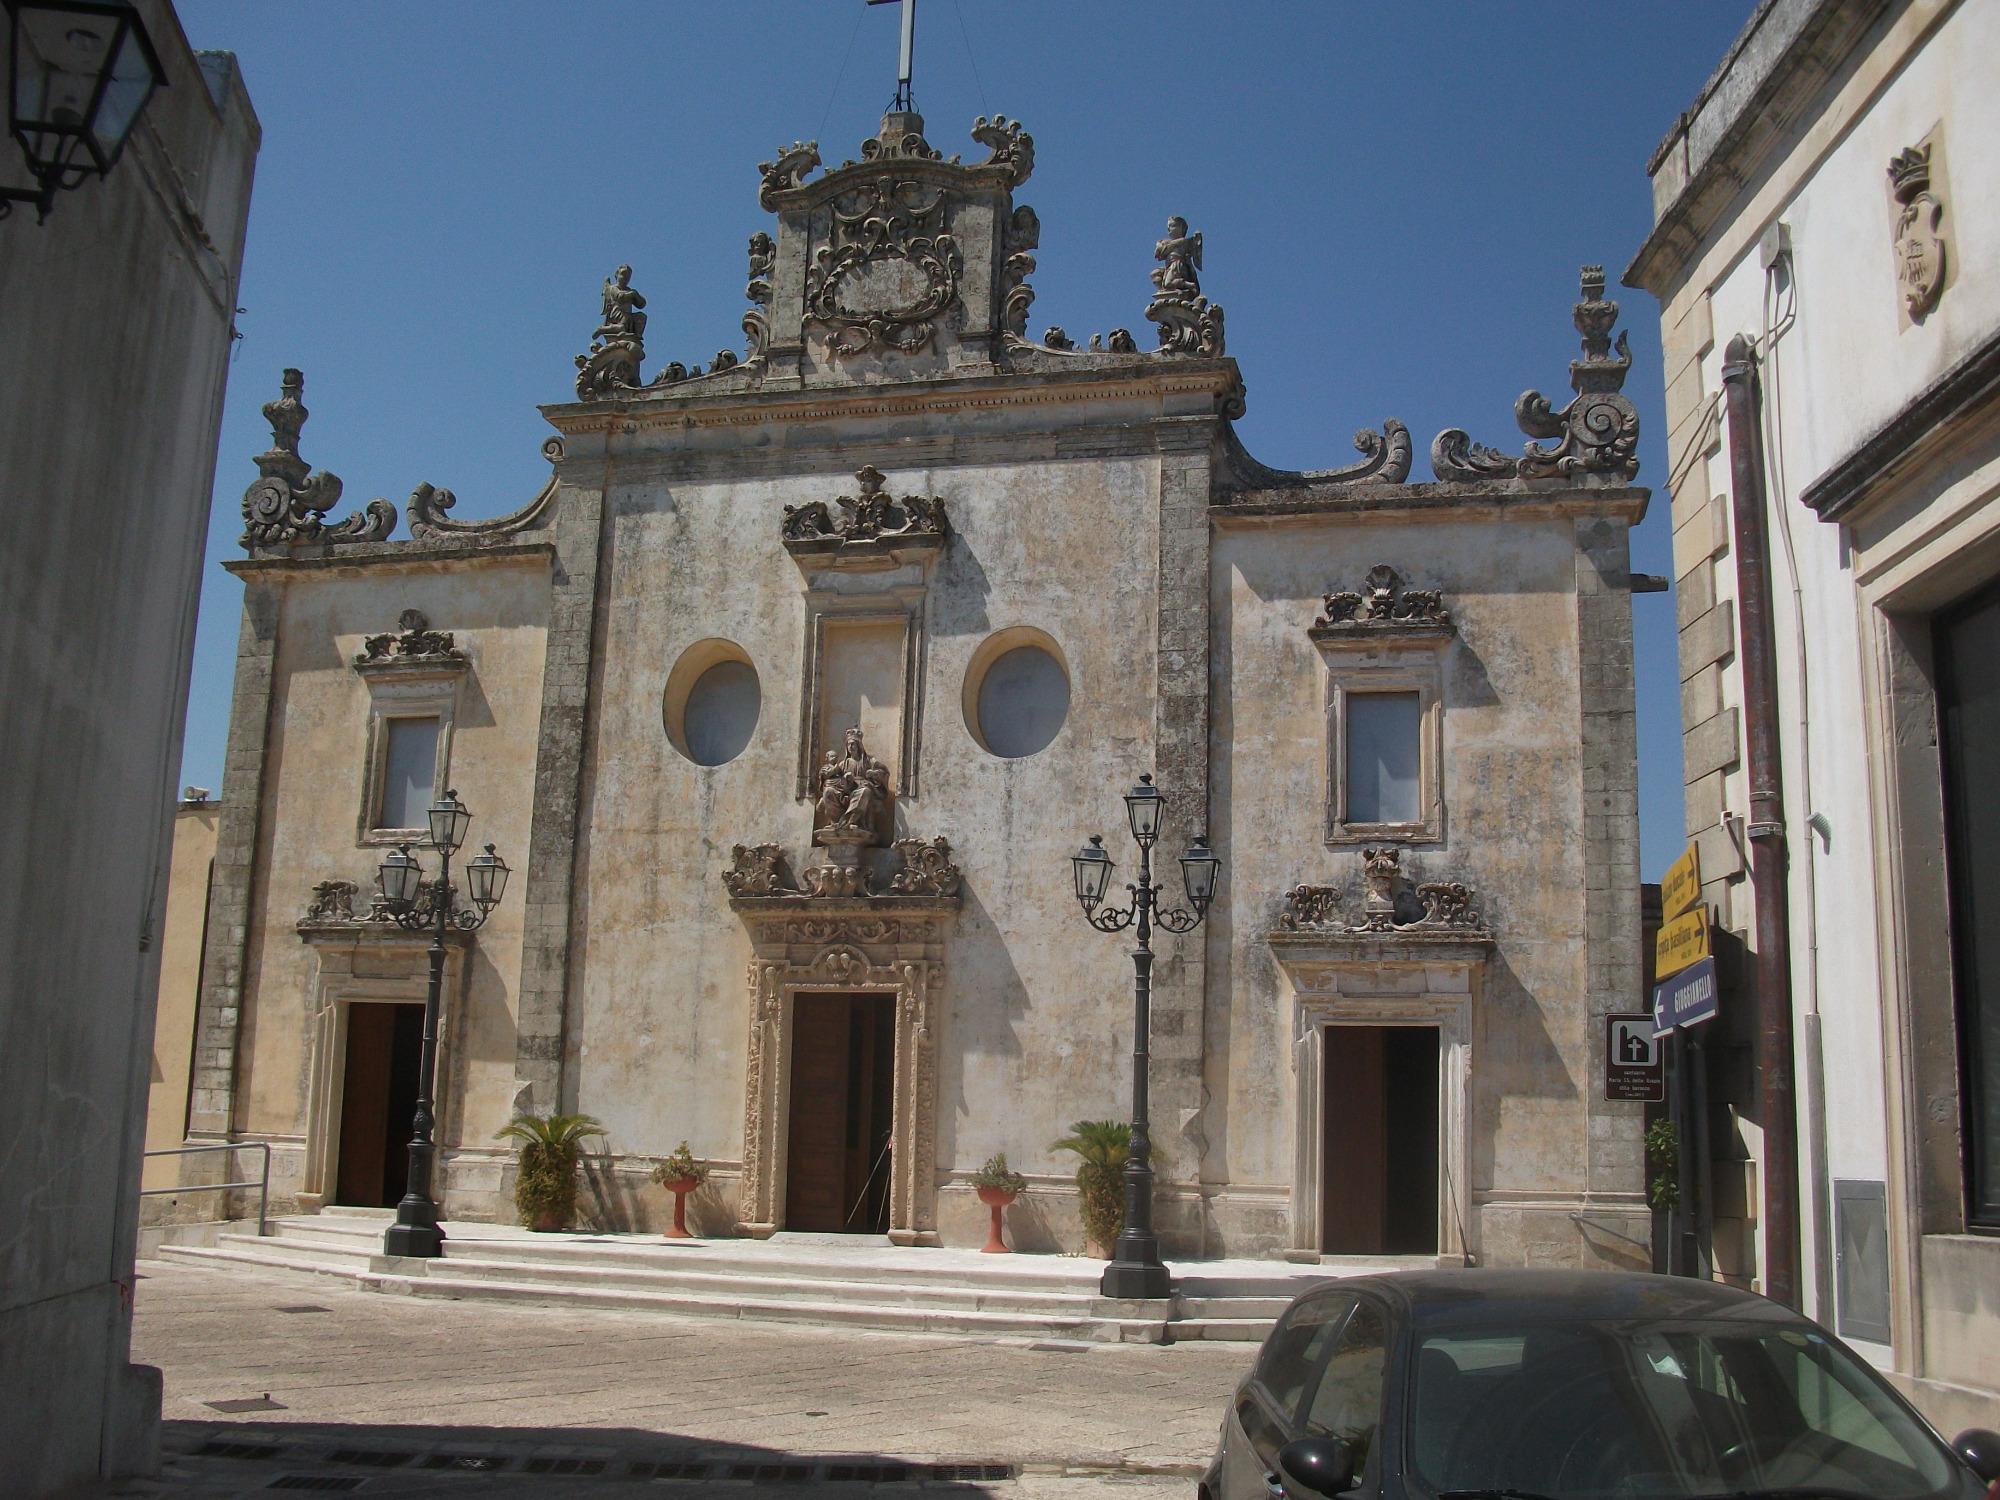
[275, 1378]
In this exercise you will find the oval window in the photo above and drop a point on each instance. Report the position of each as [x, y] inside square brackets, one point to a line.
[713, 701]
[1022, 701]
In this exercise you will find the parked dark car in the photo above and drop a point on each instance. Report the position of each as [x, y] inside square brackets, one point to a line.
[1577, 1385]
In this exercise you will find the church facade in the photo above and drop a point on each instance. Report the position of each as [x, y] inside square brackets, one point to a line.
[791, 695]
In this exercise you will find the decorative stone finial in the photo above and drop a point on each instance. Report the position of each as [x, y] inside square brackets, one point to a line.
[1598, 430]
[287, 503]
[1189, 322]
[617, 344]
[1007, 145]
[1919, 246]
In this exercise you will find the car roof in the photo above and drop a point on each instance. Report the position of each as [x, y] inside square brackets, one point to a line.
[1510, 1296]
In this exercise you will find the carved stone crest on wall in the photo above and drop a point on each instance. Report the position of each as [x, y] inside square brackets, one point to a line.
[1920, 249]
[889, 267]
[287, 503]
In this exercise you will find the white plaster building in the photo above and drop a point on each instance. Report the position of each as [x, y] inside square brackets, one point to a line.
[115, 323]
[1827, 212]
[991, 581]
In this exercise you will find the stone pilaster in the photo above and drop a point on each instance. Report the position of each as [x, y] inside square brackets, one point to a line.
[1180, 765]
[1609, 744]
[219, 1011]
[552, 834]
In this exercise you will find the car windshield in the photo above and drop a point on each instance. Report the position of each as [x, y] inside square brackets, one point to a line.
[1661, 1410]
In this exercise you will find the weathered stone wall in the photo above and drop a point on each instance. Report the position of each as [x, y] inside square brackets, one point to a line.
[184, 933]
[315, 765]
[1516, 826]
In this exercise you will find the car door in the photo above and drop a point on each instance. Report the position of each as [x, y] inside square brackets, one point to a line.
[1265, 1416]
[1346, 1399]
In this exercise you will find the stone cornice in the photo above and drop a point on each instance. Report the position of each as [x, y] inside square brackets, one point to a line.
[1411, 947]
[431, 555]
[1245, 508]
[1969, 388]
[1126, 378]
[847, 908]
[1745, 111]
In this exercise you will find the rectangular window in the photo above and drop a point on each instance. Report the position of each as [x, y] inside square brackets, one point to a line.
[1383, 758]
[409, 772]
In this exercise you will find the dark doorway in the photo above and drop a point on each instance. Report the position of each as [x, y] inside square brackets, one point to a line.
[1968, 649]
[837, 1167]
[1379, 1152]
[378, 1099]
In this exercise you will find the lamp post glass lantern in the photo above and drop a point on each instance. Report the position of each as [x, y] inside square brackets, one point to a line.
[421, 905]
[1135, 1270]
[82, 72]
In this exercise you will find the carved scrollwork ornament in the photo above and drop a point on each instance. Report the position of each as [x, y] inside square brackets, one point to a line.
[1383, 601]
[873, 515]
[1388, 904]
[757, 321]
[927, 869]
[287, 502]
[786, 171]
[1597, 433]
[880, 221]
[757, 870]
[413, 640]
[1007, 145]
[1023, 236]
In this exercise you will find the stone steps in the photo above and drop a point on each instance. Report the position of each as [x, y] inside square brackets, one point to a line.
[902, 1290]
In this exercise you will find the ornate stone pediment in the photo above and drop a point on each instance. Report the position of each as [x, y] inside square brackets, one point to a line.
[1388, 905]
[413, 648]
[1597, 432]
[1383, 608]
[871, 530]
[339, 911]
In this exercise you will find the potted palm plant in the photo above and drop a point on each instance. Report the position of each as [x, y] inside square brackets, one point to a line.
[680, 1174]
[1102, 1146]
[998, 1185]
[545, 1182]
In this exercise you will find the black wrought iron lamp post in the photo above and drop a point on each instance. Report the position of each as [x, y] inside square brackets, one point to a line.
[1135, 1269]
[419, 904]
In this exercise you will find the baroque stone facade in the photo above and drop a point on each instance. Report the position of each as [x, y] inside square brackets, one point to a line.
[793, 692]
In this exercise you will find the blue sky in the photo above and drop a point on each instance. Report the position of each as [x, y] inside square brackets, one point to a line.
[1395, 199]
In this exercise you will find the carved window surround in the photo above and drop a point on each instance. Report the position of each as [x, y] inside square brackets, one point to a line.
[896, 603]
[1385, 639]
[892, 945]
[1372, 979]
[413, 673]
[375, 963]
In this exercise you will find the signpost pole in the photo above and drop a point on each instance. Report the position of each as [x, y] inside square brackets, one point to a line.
[1686, 1241]
[1703, 1215]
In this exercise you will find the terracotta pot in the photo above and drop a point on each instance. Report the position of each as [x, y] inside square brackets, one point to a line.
[1096, 1249]
[680, 1187]
[997, 1199]
[548, 1222]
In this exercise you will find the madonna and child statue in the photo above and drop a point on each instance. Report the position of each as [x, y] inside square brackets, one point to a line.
[851, 797]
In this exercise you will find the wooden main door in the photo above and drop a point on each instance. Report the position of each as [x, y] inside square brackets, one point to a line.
[378, 1103]
[1379, 1152]
[837, 1154]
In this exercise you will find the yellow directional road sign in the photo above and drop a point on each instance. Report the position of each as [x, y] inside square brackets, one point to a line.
[1681, 888]
[1681, 942]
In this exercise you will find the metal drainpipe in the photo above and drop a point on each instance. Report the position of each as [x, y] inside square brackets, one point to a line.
[1769, 880]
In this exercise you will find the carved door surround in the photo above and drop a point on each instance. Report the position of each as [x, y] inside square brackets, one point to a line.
[377, 963]
[890, 945]
[1402, 979]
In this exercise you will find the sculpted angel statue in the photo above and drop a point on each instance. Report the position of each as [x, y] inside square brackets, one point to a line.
[623, 319]
[1179, 255]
